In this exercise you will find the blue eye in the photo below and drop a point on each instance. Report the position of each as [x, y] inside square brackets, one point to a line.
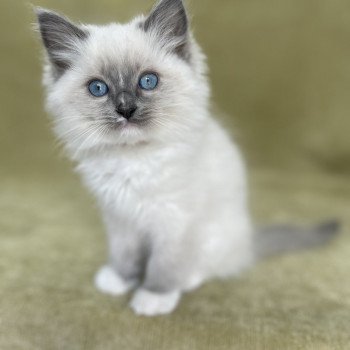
[98, 88]
[148, 81]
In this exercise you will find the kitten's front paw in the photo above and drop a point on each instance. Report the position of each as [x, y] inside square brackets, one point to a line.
[147, 303]
[109, 282]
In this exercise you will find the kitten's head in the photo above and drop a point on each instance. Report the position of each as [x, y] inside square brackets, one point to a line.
[124, 84]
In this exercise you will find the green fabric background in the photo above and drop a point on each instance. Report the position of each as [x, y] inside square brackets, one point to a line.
[281, 72]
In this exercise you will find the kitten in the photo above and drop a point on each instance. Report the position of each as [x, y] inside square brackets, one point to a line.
[130, 103]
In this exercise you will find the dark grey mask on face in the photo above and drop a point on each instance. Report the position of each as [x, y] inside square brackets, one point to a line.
[126, 98]
[125, 104]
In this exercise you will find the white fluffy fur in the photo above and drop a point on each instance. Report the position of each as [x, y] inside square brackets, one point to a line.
[179, 185]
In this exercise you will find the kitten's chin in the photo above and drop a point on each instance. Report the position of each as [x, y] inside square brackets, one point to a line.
[123, 125]
[125, 133]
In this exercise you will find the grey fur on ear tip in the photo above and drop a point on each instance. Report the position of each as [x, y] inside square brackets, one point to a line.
[41, 12]
[38, 11]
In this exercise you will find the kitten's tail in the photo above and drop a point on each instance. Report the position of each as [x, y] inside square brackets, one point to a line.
[278, 239]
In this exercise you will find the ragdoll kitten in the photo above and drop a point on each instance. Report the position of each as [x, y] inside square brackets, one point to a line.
[130, 103]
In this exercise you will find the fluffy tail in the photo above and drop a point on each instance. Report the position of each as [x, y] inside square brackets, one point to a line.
[278, 239]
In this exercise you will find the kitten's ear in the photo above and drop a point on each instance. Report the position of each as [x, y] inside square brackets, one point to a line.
[169, 21]
[60, 37]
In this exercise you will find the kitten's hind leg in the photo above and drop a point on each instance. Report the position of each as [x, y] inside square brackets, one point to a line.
[108, 281]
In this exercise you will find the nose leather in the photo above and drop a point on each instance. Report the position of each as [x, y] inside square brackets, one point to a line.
[125, 105]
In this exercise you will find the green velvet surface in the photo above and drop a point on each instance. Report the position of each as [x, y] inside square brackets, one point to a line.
[280, 71]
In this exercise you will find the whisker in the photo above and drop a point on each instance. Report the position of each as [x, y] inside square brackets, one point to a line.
[89, 138]
[87, 129]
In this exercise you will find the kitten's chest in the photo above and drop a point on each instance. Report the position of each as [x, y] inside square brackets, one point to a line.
[120, 176]
[126, 183]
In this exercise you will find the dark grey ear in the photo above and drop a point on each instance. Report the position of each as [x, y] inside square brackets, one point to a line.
[60, 38]
[169, 20]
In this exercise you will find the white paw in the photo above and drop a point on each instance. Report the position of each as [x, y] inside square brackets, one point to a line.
[151, 304]
[107, 281]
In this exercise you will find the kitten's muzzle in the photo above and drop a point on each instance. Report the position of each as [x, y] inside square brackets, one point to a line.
[126, 105]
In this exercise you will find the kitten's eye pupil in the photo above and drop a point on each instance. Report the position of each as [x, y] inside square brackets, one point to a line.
[148, 81]
[98, 88]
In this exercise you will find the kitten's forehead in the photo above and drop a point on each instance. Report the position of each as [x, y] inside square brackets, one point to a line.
[121, 50]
